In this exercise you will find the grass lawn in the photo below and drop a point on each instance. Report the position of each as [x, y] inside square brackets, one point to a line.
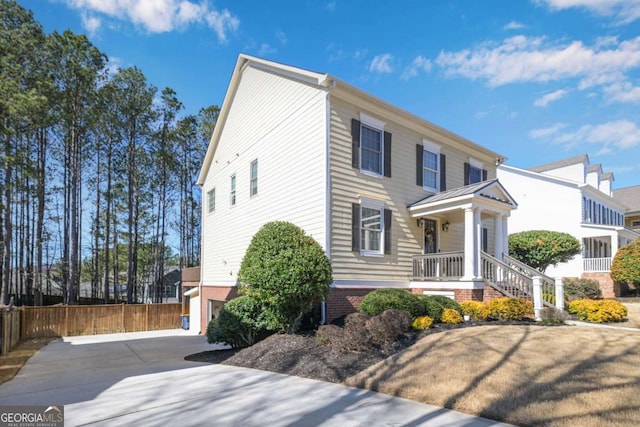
[524, 375]
[633, 315]
[11, 363]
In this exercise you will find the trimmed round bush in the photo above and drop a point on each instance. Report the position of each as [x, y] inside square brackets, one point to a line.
[376, 302]
[422, 323]
[510, 308]
[238, 323]
[625, 267]
[451, 316]
[447, 302]
[598, 311]
[288, 272]
[581, 289]
[542, 248]
[476, 310]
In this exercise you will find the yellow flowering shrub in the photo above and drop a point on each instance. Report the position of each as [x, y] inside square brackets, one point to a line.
[510, 308]
[449, 315]
[598, 311]
[477, 310]
[421, 323]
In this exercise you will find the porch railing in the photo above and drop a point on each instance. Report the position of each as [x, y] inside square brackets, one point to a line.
[440, 266]
[596, 264]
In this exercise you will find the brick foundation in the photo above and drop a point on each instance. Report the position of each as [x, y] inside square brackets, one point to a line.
[608, 288]
[342, 301]
[490, 294]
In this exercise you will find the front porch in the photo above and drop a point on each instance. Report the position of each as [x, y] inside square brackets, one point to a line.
[600, 244]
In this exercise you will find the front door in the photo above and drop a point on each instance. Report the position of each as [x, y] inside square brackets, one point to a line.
[430, 236]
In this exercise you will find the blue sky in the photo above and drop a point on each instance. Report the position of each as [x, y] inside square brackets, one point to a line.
[534, 80]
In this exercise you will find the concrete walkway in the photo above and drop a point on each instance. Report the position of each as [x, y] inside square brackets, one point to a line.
[142, 379]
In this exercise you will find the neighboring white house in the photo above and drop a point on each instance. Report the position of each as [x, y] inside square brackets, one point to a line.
[394, 200]
[575, 197]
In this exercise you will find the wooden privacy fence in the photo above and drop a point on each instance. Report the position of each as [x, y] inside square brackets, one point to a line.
[10, 329]
[70, 320]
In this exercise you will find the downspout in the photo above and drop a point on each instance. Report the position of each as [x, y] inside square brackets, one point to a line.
[323, 312]
[330, 84]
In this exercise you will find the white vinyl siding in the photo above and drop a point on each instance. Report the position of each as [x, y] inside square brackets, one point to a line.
[282, 123]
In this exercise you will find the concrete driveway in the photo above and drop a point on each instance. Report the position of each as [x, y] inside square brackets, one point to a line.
[142, 379]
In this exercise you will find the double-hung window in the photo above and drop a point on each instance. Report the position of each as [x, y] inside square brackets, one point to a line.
[371, 229]
[211, 200]
[232, 198]
[254, 178]
[475, 174]
[371, 149]
[431, 167]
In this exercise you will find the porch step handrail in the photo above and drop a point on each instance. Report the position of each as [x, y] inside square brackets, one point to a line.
[525, 269]
[513, 282]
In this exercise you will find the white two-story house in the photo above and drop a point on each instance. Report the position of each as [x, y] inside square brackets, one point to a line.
[394, 200]
[575, 197]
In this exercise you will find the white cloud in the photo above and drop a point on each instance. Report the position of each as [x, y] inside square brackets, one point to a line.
[545, 100]
[90, 23]
[266, 49]
[420, 63]
[331, 6]
[546, 132]
[623, 92]
[382, 63]
[157, 16]
[282, 37]
[622, 11]
[514, 25]
[605, 137]
[524, 59]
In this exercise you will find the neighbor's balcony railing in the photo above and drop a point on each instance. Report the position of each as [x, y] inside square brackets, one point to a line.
[440, 266]
[596, 264]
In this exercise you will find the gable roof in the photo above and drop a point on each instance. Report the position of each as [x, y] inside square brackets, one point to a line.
[561, 163]
[337, 88]
[629, 196]
[490, 191]
[594, 168]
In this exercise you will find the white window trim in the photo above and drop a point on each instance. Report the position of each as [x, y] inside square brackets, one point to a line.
[210, 193]
[373, 204]
[435, 149]
[379, 126]
[251, 178]
[473, 163]
[233, 190]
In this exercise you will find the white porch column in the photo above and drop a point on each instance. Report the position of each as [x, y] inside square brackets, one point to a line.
[505, 234]
[498, 237]
[469, 245]
[614, 244]
[477, 224]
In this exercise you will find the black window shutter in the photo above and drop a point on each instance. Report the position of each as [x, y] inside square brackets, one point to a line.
[466, 173]
[387, 231]
[355, 143]
[443, 172]
[355, 227]
[419, 159]
[485, 239]
[387, 154]
[484, 174]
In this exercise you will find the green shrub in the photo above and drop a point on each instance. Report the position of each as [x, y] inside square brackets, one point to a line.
[451, 316]
[431, 308]
[540, 248]
[446, 302]
[551, 316]
[581, 288]
[625, 267]
[374, 303]
[510, 308]
[421, 323]
[476, 310]
[287, 272]
[598, 311]
[386, 327]
[238, 323]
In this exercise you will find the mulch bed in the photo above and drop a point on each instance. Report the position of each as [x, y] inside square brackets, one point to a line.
[302, 356]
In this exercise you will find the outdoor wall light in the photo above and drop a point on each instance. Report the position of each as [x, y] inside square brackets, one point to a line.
[445, 225]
